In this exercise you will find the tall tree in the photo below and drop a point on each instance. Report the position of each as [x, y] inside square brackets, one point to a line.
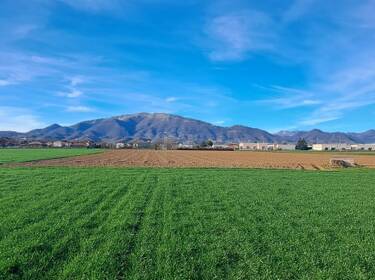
[302, 144]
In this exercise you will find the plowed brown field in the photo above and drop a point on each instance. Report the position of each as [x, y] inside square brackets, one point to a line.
[151, 158]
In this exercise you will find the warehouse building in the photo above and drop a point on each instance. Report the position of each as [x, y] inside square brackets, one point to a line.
[265, 147]
[331, 147]
[343, 147]
[363, 147]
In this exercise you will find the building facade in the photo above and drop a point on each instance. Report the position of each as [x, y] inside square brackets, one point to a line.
[265, 147]
[343, 147]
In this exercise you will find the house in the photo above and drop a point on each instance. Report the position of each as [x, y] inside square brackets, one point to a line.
[120, 145]
[252, 146]
[7, 142]
[81, 144]
[233, 146]
[58, 144]
[35, 144]
[140, 144]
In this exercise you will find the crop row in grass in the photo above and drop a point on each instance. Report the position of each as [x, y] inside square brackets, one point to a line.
[103, 223]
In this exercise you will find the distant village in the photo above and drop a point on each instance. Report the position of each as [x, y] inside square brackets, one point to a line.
[168, 144]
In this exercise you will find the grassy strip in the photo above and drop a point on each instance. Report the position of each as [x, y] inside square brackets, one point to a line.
[26, 155]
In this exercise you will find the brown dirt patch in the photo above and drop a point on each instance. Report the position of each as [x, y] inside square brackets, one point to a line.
[151, 158]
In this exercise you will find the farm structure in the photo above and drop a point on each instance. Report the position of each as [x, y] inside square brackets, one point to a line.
[60, 144]
[363, 147]
[343, 147]
[265, 147]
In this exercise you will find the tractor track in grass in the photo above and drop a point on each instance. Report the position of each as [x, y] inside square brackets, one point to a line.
[134, 231]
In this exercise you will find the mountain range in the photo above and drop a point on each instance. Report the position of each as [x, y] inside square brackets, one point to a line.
[156, 126]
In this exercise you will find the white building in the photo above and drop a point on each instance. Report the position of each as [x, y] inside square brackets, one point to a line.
[253, 146]
[343, 147]
[363, 147]
[285, 147]
[120, 145]
[265, 147]
[185, 146]
[58, 144]
[332, 147]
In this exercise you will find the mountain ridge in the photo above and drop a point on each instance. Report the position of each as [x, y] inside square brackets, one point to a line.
[156, 126]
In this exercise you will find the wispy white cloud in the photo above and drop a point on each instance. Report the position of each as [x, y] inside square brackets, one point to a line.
[156, 95]
[332, 98]
[341, 73]
[73, 91]
[5, 82]
[290, 97]
[171, 99]
[18, 119]
[362, 15]
[335, 48]
[233, 36]
[19, 67]
[23, 30]
[71, 94]
[95, 5]
[298, 9]
[312, 121]
[79, 109]
[76, 80]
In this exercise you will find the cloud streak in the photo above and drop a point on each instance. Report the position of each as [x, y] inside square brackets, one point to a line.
[298, 9]
[233, 36]
[95, 6]
[311, 60]
[79, 109]
[18, 119]
[290, 97]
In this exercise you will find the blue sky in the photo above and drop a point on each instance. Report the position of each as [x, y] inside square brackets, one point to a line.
[275, 65]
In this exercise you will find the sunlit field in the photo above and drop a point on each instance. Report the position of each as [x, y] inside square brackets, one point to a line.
[24, 155]
[107, 223]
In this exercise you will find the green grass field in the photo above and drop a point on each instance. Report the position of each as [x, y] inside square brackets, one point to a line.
[108, 223]
[23, 155]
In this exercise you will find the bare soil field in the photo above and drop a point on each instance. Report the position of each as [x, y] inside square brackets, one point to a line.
[152, 158]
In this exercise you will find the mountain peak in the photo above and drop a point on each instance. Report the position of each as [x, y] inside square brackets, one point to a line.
[144, 115]
[316, 130]
[155, 126]
[53, 126]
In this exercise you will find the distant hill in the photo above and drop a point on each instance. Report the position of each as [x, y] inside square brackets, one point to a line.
[157, 126]
[318, 136]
